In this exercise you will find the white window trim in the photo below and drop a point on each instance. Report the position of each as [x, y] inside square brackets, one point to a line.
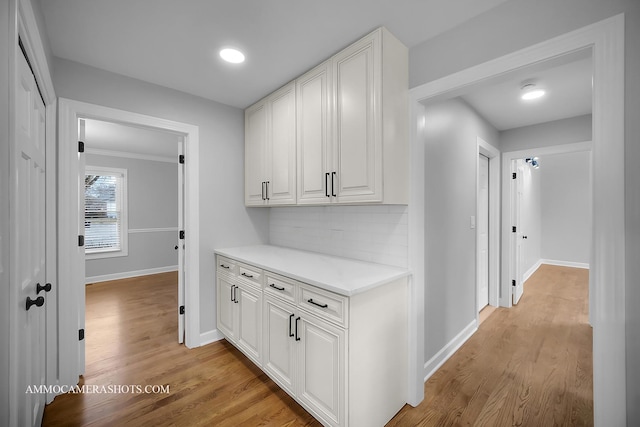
[124, 223]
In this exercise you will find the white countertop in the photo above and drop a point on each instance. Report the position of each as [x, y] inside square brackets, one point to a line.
[340, 275]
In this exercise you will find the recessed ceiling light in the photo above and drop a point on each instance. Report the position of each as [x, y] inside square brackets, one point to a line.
[529, 92]
[232, 55]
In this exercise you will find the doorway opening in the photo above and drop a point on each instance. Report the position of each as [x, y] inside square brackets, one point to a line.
[133, 213]
[72, 223]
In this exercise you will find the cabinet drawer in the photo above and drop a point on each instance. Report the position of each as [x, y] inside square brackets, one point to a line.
[280, 287]
[226, 265]
[325, 304]
[250, 274]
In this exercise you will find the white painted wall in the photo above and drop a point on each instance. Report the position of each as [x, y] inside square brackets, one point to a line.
[517, 24]
[367, 233]
[451, 131]
[530, 217]
[224, 221]
[566, 207]
[152, 190]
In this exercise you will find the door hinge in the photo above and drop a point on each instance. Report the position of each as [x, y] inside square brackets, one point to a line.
[513, 175]
[80, 334]
[182, 309]
[513, 229]
[80, 147]
[81, 240]
[181, 159]
[181, 235]
[513, 282]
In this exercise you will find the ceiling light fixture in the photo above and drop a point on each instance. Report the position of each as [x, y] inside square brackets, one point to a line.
[529, 92]
[232, 55]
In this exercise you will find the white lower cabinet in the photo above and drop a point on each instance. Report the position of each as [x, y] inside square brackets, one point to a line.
[240, 315]
[344, 359]
[306, 357]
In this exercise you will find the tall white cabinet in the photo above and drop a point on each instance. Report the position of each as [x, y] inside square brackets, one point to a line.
[351, 121]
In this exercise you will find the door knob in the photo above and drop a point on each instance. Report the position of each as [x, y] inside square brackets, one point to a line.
[45, 288]
[524, 237]
[38, 302]
[176, 248]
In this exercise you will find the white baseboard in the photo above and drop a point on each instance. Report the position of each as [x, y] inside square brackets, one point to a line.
[210, 336]
[128, 274]
[447, 351]
[566, 263]
[532, 270]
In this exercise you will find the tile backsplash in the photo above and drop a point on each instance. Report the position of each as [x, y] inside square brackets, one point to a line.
[368, 233]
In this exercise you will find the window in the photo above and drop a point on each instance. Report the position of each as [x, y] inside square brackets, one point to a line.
[105, 213]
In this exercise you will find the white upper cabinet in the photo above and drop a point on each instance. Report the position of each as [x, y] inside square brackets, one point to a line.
[270, 149]
[351, 123]
[255, 146]
[357, 160]
[314, 134]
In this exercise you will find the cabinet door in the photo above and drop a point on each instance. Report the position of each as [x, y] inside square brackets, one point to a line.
[249, 331]
[281, 151]
[358, 124]
[255, 146]
[321, 356]
[226, 307]
[314, 135]
[279, 343]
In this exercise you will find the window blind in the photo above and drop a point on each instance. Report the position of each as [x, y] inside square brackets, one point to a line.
[103, 211]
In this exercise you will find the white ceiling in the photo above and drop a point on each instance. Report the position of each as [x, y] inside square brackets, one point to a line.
[120, 138]
[567, 82]
[175, 43]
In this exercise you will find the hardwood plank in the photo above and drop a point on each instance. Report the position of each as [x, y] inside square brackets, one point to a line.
[530, 365]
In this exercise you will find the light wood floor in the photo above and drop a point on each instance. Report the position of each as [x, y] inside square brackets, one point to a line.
[530, 365]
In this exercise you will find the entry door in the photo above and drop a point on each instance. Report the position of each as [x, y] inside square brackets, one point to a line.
[518, 255]
[483, 231]
[180, 246]
[28, 251]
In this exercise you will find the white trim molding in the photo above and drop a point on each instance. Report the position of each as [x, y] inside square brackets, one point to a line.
[449, 349]
[210, 336]
[128, 155]
[153, 230]
[129, 274]
[560, 263]
[605, 39]
[527, 274]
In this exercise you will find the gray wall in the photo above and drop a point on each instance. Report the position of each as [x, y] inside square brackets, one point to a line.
[224, 221]
[565, 131]
[566, 206]
[451, 131]
[152, 193]
[517, 24]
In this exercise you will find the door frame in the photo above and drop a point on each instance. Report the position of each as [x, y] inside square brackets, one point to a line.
[493, 154]
[23, 25]
[508, 204]
[606, 39]
[72, 257]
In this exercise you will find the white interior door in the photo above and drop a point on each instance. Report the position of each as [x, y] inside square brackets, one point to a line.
[483, 232]
[518, 254]
[82, 166]
[28, 262]
[180, 245]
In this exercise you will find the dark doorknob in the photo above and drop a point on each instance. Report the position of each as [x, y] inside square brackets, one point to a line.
[524, 237]
[38, 302]
[45, 288]
[176, 248]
